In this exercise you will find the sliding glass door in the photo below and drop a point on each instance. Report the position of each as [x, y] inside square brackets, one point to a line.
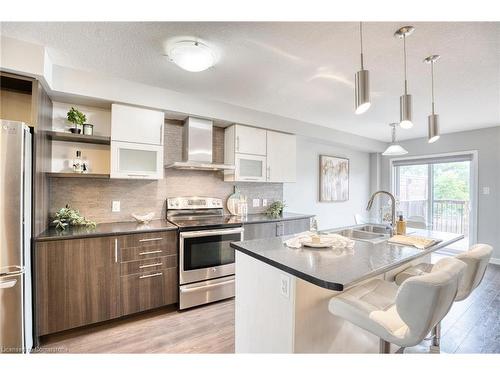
[436, 193]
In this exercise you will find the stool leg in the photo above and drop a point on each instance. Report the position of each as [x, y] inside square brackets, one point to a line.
[384, 347]
[436, 338]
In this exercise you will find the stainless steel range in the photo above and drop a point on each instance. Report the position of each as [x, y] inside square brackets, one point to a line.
[206, 261]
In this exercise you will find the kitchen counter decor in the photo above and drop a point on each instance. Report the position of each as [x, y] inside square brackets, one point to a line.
[310, 239]
[67, 216]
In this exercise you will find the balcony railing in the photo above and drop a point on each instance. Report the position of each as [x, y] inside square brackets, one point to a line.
[448, 215]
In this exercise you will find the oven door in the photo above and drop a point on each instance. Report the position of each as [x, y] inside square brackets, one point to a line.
[207, 254]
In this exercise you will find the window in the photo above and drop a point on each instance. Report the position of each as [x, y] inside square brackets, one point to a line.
[437, 192]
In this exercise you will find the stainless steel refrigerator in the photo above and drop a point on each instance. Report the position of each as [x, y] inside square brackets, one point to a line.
[16, 327]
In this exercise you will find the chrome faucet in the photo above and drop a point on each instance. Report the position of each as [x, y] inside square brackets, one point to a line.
[393, 211]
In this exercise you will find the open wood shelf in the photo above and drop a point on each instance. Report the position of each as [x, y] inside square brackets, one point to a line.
[77, 175]
[81, 138]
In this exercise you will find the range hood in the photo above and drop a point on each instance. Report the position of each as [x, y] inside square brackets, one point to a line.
[197, 147]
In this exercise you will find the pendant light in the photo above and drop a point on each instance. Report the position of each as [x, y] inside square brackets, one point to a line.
[394, 148]
[432, 119]
[405, 110]
[362, 83]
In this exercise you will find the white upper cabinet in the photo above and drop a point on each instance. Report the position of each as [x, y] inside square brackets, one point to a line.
[136, 125]
[136, 142]
[249, 140]
[281, 157]
[259, 155]
[136, 161]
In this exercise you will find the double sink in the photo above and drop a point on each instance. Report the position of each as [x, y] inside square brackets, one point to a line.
[366, 233]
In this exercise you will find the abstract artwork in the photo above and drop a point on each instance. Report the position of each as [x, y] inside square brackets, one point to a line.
[333, 179]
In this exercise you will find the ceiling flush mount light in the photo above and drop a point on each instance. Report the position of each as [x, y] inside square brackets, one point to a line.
[191, 55]
[362, 85]
[394, 148]
[405, 111]
[432, 119]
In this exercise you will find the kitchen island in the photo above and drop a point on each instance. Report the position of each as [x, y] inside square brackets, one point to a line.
[282, 293]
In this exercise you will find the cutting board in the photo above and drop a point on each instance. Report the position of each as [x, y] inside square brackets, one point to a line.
[418, 242]
[233, 200]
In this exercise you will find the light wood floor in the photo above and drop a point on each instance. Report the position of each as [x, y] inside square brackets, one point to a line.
[472, 326]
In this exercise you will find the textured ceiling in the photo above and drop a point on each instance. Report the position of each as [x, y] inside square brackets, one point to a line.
[300, 70]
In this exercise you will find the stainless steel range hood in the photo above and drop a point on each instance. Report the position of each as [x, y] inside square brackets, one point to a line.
[197, 147]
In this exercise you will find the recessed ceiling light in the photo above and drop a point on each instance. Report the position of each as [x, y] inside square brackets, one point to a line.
[191, 55]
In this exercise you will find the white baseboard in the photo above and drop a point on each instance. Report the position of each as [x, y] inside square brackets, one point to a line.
[495, 260]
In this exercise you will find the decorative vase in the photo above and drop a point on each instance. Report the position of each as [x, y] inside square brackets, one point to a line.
[88, 129]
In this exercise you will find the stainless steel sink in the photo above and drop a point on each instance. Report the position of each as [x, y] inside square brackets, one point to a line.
[367, 233]
[374, 229]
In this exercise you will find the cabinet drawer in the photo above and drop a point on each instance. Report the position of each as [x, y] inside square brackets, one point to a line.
[148, 265]
[167, 239]
[148, 290]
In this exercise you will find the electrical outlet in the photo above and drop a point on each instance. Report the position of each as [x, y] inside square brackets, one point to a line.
[264, 202]
[255, 202]
[115, 206]
[285, 285]
[486, 190]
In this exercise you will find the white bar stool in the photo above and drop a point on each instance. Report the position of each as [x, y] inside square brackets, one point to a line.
[402, 316]
[476, 259]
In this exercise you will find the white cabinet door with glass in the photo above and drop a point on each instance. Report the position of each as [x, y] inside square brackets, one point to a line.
[133, 160]
[281, 157]
[250, 168]
[136, 125]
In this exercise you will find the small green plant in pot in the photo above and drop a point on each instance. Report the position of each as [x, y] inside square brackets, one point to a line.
[275, 209]
[77, 118]
[67, 216]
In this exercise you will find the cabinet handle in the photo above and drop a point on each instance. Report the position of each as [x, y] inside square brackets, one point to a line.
[151, 252]
[150, 265]
[116, 250]
[137, 175]
[161, 133]
[268, 172]
[152, 275]
[237, 144]
[151, 239]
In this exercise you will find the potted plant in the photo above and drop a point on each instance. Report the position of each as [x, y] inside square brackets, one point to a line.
[77, 118]
[67, 216]
[276, 209]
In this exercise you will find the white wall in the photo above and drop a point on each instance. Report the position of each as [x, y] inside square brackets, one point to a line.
[487, 143]
[303, 195]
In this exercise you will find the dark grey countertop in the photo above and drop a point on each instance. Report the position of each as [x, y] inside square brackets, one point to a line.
[339, 269]
[122, 228]
[105, 229]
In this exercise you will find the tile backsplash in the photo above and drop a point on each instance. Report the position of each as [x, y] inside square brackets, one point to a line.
[93, 197]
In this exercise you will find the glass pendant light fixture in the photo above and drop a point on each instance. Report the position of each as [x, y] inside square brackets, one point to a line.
[405, 110]
[394, 148]
[433, 118]
[362, 83]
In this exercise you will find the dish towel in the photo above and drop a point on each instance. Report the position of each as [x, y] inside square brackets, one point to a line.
[338, 241]
[418, 242]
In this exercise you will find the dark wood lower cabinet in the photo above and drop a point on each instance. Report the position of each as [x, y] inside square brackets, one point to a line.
[146, 291]
[255, 231]
[77, 283]
[86, 281]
